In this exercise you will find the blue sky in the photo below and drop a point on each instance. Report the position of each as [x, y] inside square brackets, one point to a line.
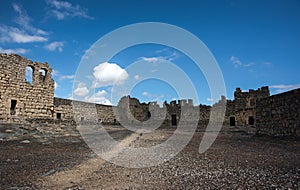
[255, 43]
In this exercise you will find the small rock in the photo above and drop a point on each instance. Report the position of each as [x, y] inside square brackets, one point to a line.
[25, 142]
[8, 131]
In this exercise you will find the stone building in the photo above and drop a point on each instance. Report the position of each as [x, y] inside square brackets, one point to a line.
[26, 88]
[242, 110]
[27, 95]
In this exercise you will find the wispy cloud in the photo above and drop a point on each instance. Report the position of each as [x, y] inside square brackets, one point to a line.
[63, 9]
[68, 77]
[238, 63]
[12, 34]
[153, 97]
[279, 88]
[16, 51]
[22, 37]
[25, 33]
[25, 21]
[210, 99]
[152, 59]
[55, 45]
[170, 56]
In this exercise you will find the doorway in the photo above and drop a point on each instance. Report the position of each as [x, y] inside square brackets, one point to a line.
[58, 116]
[13, 105]
[251, 120]
[174, 120]
[232, 121]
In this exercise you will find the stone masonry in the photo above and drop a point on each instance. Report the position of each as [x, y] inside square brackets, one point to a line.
[19, 98]
[22, 100]
[279, 115]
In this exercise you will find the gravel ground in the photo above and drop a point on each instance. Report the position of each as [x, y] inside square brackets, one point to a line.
[235, 161]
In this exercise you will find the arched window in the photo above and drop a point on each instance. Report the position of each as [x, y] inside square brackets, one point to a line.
[42, 74]
[29, 74]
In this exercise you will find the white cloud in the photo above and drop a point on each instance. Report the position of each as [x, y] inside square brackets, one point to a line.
[153, 97]
[209, 99]
[70, 77]
[21, 37]
[236, 61]
[26, 33]
[55, 45]
[283, 88]
[63, 9]
[55, 72]
[81, 90]
[99, 98]
[12, 34]
[16, 51]
[25, 21]
[152, 59]
[157, 59]
[136, 77]
[168, 55]
[106, 74]
[55, 85]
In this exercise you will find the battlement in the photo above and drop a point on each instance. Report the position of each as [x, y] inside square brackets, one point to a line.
[24, 99]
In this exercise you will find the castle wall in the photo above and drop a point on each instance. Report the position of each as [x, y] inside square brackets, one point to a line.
[33, 100]
[71, 110]
[63, 109]
[279, 115]
[244, 105]
[20, 99]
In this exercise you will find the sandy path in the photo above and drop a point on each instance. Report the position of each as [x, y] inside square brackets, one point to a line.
[79, 173]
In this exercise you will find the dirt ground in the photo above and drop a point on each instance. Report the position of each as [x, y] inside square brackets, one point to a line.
[235, 161]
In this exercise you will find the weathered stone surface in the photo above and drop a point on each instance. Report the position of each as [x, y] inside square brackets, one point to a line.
[23, 102]
[279, 115]
[20, 99]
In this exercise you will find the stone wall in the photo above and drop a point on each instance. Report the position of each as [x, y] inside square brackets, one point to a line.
[63, 109]
[242, 108]
[21, 99]
[70, 110]
[279, 115]
[33, 100]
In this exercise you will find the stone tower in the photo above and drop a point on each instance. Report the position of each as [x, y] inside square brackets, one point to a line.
[26, 88]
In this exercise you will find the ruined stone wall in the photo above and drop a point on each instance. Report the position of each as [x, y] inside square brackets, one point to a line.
[63, 109]
[244, 104]
[70, 110]
[279, 115]
[20, 99]
[106, 115]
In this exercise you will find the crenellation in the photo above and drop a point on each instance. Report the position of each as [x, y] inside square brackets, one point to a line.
[22, 101]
